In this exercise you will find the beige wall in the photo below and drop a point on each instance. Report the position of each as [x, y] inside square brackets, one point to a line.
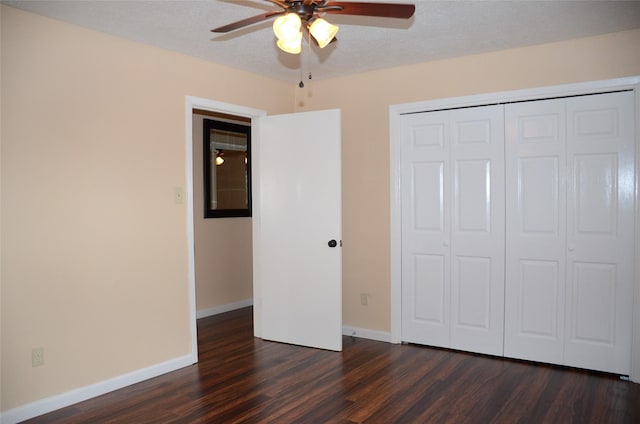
[365, 99]
[94, 248]
[223, 246]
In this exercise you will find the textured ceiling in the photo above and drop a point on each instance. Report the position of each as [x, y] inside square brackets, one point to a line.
[439, 29]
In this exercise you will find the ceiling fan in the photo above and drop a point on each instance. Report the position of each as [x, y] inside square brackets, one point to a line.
[299, 15]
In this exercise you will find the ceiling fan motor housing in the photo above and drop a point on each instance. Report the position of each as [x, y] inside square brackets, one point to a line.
[305, 11]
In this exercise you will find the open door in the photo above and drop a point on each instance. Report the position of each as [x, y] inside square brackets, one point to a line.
[297, 228]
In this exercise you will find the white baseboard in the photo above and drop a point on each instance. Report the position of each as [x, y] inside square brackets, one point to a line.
[56, 402]
[381, 336]
[203, 313]
[53, 403]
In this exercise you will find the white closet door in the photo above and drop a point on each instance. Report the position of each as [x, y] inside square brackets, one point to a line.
[536, 227]
[426, 203]
[570, 220]
[452, 229]
[477, 229]
[600, 224]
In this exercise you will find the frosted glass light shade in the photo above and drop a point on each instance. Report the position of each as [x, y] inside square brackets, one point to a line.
[293, 46]
[287, 27]
[323, 31]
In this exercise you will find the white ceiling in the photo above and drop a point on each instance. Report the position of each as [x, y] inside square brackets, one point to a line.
[439, 29]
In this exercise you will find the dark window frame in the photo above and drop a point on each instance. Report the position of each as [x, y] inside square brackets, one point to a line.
[208, 125]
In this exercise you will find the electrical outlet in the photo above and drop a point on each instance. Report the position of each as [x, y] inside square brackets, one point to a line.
[37, 356]
[364, 299]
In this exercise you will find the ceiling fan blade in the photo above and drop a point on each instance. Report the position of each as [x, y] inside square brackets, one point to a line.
[383, 10]
[280, 3]
[246, 22]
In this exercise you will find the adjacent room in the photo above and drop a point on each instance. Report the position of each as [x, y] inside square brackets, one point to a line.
[433, 206]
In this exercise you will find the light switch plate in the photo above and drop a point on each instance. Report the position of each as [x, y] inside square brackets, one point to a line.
[178, 195]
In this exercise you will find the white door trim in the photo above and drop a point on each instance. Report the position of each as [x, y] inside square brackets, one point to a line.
[395, 112]
[212, 106]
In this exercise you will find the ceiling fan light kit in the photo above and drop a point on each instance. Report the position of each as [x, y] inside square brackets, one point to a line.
[288, 29]
[323, 31]
[288, 26]
[291, 45]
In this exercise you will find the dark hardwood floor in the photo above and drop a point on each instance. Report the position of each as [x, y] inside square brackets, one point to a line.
[240, 379]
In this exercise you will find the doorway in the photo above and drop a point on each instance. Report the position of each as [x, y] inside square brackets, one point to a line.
[301, 186]
[228, 226]
[223, 237]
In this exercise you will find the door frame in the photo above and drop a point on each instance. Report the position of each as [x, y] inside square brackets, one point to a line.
[191, 103]
[565, 90]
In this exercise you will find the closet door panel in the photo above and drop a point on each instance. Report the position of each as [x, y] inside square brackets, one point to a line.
[429, 288]
[594, 308]
[426, 259]
[473, 196]
[427, 187]
[600, 245]
[473, 293]
[477, 231]
[535, 225]
[538, 196]
[540, 285]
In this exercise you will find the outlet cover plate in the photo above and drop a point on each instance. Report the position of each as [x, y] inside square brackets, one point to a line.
[37, 356]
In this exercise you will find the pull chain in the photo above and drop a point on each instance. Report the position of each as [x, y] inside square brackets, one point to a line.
[306, 58]
[301, 84]
[309, 55]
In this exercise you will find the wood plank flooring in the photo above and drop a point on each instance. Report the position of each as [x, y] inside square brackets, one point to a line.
[240, 379]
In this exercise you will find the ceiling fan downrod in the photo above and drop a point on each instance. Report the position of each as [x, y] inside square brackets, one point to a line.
[306, 9]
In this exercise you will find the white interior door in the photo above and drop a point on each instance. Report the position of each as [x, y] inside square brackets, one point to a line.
[600, 231]
[536, 228]
[453, 229]
[426, 253]
[477, 230]
[297, 213]
[570, 228]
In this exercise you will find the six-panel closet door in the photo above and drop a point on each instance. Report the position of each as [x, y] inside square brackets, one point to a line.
[535, 148]
[453, 229]
[518, 229]
[570, 226]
